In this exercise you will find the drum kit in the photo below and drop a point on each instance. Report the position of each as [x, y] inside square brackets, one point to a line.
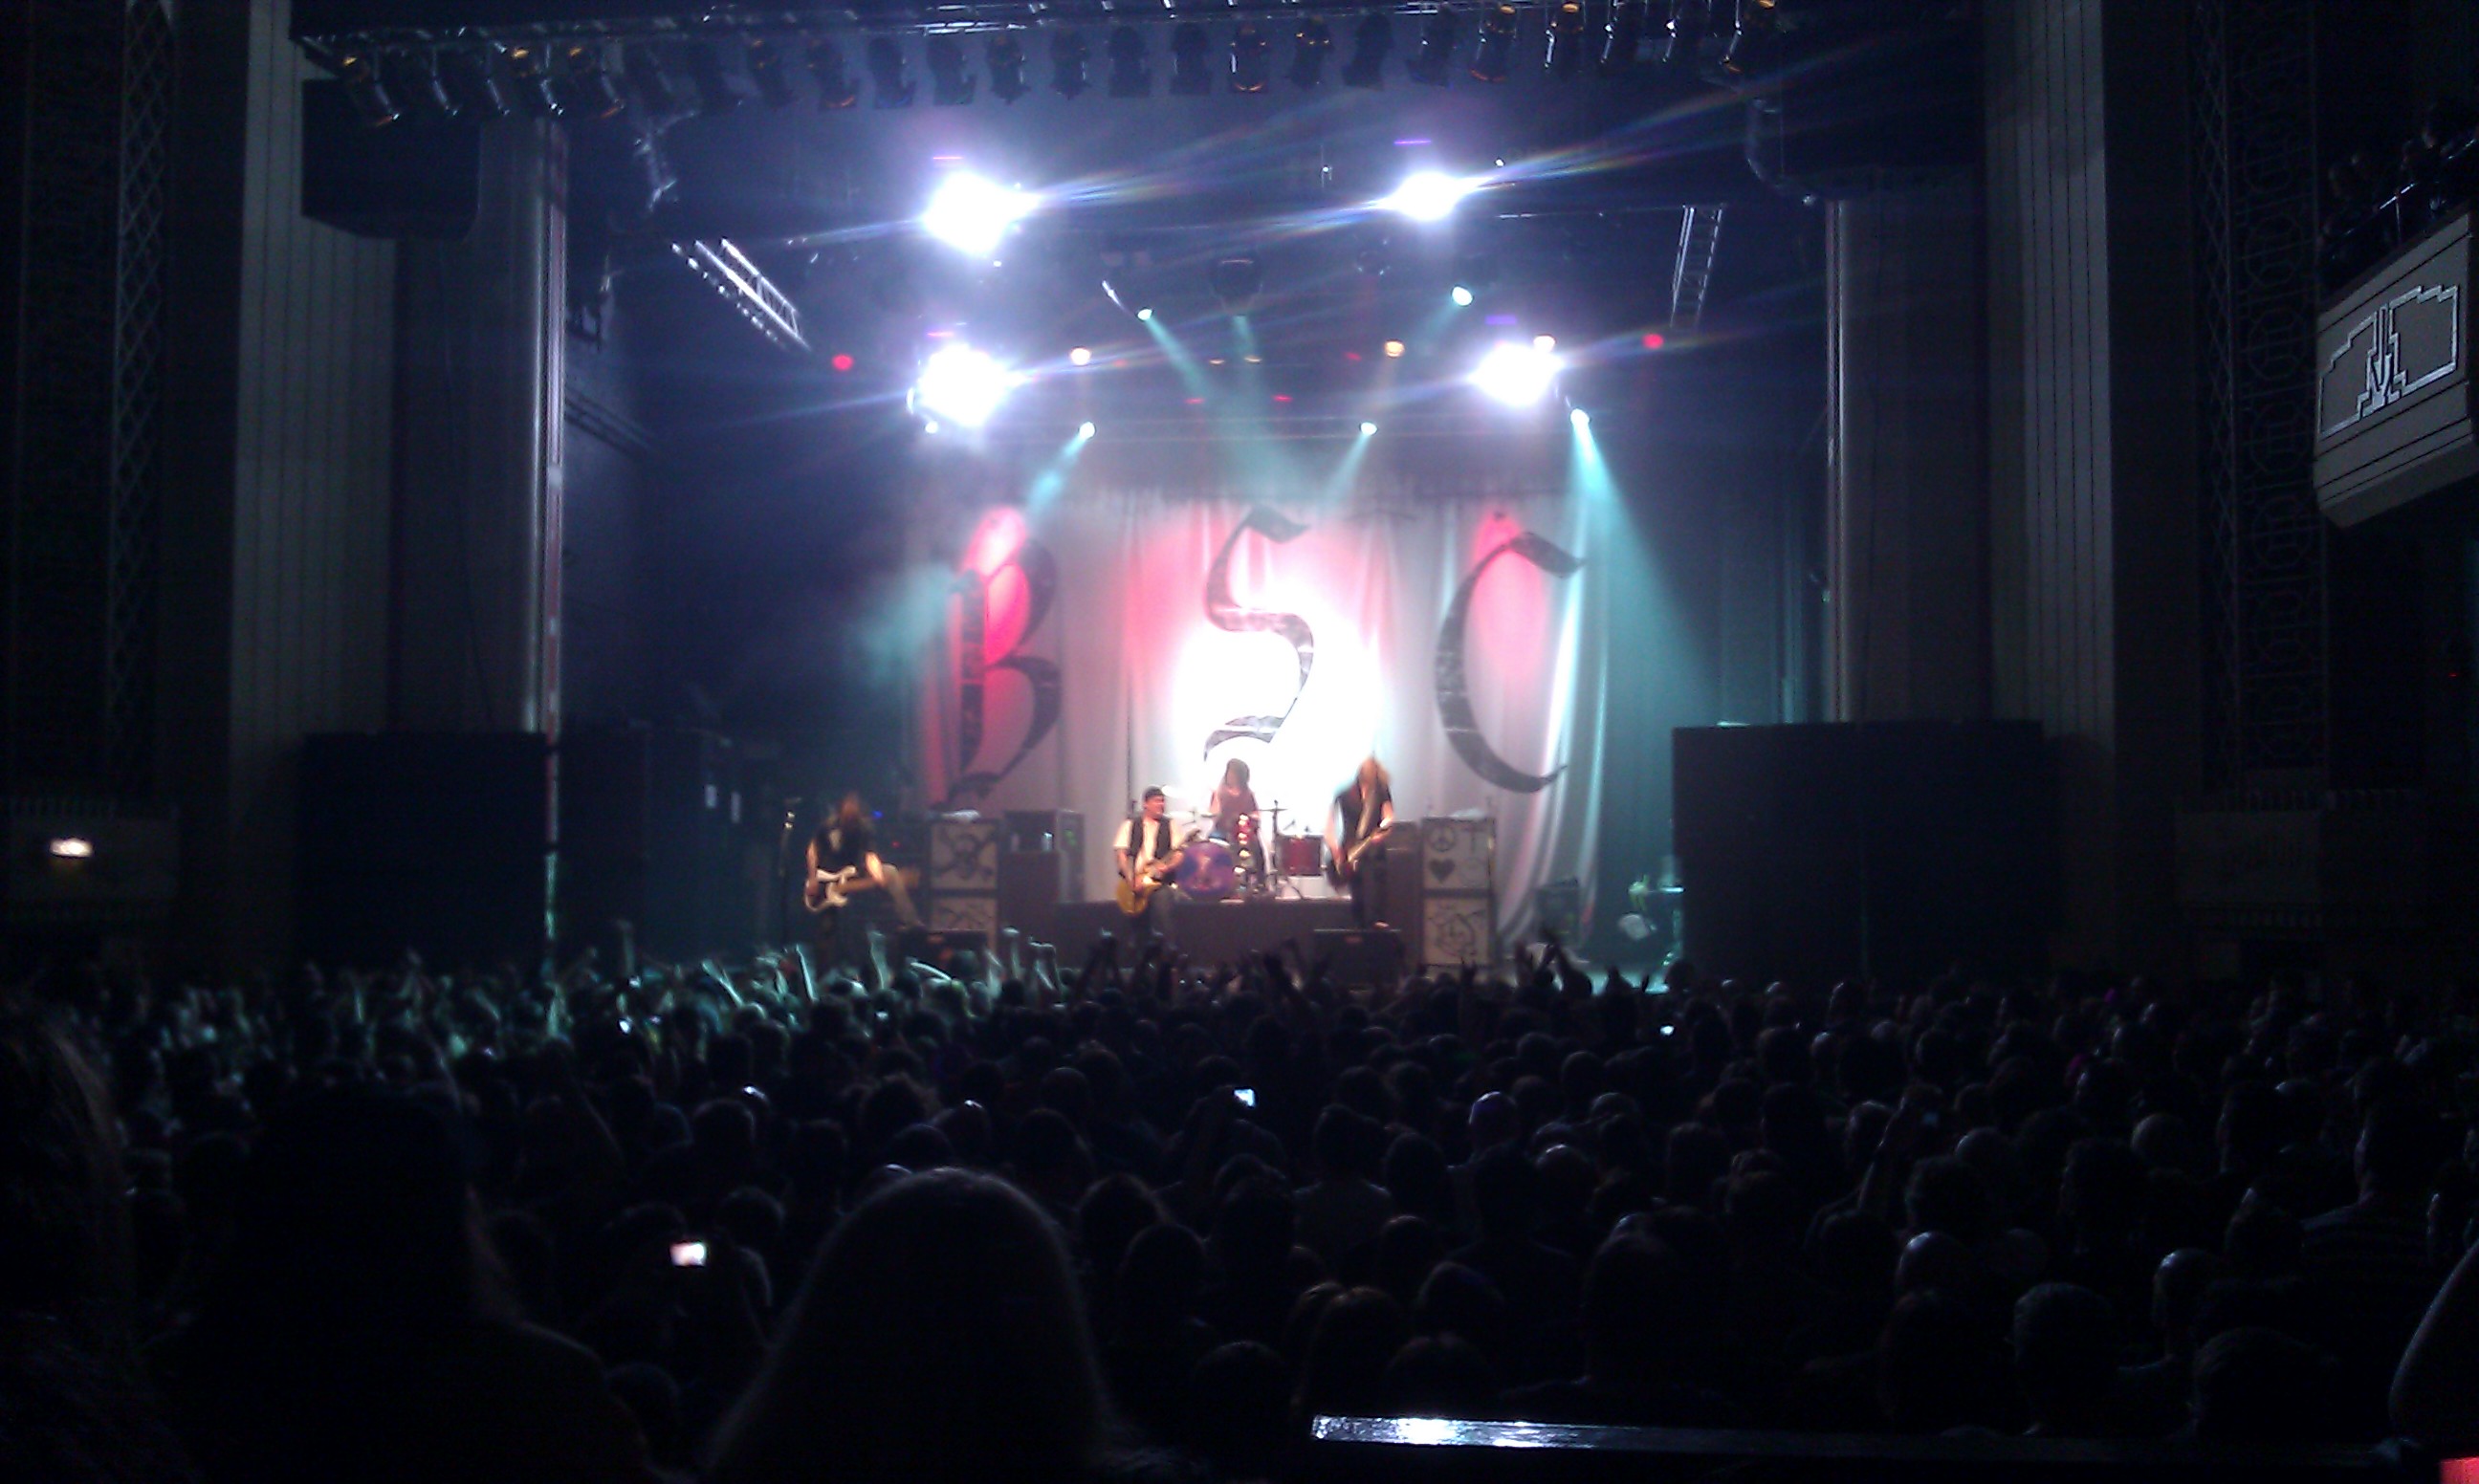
[1241, 865]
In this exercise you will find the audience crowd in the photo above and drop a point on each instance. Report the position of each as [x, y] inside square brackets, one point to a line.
[779, 1221]
[2370, 209]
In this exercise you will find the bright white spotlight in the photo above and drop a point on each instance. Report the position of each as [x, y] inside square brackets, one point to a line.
[1084, 429]
[1079, 356]
[1427, 195]
[1545, 342]
[1516, 374]
[1146, 314]
[1581, 418]
[962, 385]
[970, 214]
[1369, 430]
[1462, 296]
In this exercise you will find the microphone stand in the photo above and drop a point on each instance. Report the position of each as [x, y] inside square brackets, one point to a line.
[783, 869]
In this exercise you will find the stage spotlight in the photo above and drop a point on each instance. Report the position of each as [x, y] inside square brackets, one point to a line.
[1145, 314]
[474, 83]
[586, 88]
[1188, 76]
[835, 87]
[1751, 36]
[1427, 195]
[1495, 57]
[1079, 356]
[364, 90]
[412, 73]
[1565, 55]
[1579, 418]
[1131, 75]
[890, 80]
[766, 69]
[1686, 31]
[1544, 342]
[1626, 36]
[1437, 54]
[961, 385]
[1370, 43]
[644, 71]
[1516, 376]
[1084, 430]
[931, 427]
[531, 69]
[1462, 296]
[971, 213]
[1235, 281]
[1006, 60]
[1369, 430]
[1393, 350]
[654, 174]
[950, 85]
[1069, 53]
[1252, 65]
[1311, 44]
[714, 90]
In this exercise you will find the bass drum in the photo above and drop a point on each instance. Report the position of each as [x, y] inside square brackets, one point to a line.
[1204, 871]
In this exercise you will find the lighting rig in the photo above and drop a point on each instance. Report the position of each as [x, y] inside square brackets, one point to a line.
[580, 60]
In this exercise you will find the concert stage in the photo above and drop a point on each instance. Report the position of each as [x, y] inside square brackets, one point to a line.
[1208, 931]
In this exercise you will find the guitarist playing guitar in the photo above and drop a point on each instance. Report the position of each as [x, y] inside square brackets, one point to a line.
[1147, 856]
[843, 863]
[1356, 831]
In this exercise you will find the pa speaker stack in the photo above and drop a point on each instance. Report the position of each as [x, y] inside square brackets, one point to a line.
[1457, 869]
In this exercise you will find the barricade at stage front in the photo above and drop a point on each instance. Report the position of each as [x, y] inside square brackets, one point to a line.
[1208, 931]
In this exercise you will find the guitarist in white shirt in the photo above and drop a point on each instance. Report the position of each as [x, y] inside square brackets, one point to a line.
[1147, 854]
[1355, 836]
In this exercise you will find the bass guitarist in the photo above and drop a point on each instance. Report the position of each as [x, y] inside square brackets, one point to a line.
[843, 863]
[1147, 855]
[1355, 837]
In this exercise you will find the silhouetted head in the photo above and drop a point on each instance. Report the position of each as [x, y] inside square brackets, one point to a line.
[940, 1335]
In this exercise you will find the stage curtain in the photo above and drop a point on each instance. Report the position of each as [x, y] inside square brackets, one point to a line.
[1099, 602]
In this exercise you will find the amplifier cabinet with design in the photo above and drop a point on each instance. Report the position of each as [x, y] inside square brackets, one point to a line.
[1455, 911]
[964, 854]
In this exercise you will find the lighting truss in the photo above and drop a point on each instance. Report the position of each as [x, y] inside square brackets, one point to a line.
[728, 270]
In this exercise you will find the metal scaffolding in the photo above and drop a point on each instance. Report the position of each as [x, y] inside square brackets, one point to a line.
[2254, 92]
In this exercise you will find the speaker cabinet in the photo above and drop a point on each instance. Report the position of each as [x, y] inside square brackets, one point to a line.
[651, 829]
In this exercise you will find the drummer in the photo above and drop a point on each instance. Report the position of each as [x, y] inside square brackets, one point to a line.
[1232, 800]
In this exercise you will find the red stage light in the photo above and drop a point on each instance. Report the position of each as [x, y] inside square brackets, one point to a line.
[1351, 355]
[1197, 401]
[1653, 342]
[1282, 397]
[841, 362]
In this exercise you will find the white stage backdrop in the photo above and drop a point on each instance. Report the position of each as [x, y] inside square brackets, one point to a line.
[1115, 640]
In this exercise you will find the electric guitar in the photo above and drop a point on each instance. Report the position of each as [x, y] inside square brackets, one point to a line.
[1136, 891]
[829, 890]
[1346, 863]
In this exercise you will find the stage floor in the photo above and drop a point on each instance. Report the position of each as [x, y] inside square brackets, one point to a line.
[1208, 931]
